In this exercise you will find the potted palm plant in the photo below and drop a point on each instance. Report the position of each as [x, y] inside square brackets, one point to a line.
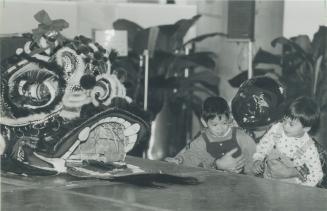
[179, 78]
[303, 65]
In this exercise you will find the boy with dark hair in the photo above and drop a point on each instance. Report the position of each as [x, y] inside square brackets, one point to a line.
[289, 142]
[219, 145]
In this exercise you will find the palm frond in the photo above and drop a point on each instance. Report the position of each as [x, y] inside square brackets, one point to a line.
[203, 37]
[293, 45]
[132, 29]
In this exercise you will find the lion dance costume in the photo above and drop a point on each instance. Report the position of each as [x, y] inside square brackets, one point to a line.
[61, 107]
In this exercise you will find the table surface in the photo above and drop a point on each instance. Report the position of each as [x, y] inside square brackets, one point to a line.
[217, 191]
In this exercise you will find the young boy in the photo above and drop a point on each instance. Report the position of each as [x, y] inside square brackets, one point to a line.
[289, 142]
[219, 145]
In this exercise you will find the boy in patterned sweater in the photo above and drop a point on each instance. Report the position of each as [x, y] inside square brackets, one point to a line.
[289, 142]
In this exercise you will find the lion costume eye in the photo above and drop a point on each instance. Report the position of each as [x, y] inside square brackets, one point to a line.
[32, 89]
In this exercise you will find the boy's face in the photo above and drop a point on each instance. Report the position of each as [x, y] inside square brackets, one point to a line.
[293, 127]
[219, 125]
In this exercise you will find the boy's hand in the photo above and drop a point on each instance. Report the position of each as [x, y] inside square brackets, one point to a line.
[172, 160]
[258, 167]
[229, 163]
[277, 169]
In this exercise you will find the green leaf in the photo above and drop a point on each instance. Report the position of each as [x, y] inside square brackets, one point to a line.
[294, 46]
[207, 79]
[206, 76]
[132, 30]
[129, 26]
[171, 36]
[160, 82]
[203, 89]
[266, 57]
[169, 39]
[172, 64]
[205, 59]
[319, 43]
[203, 37]
[237, 80]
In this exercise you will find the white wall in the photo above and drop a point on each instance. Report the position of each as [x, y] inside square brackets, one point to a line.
[17, 15]
[102, 15]
[83, 16]
[304, 17]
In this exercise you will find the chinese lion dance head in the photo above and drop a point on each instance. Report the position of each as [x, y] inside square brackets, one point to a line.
[258, 102]
[60, 103]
